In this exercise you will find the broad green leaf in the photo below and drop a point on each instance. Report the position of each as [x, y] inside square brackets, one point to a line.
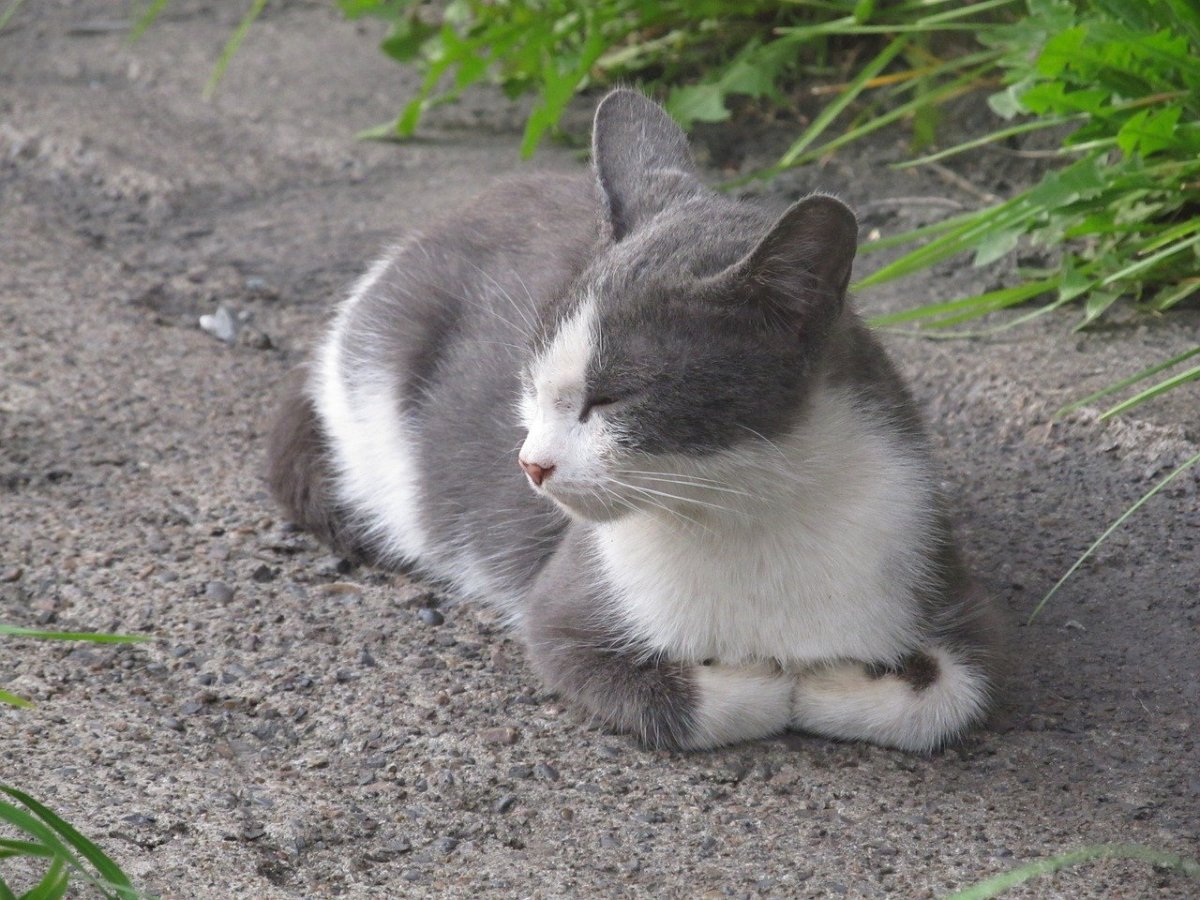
[697, 103]
[1073, 282]
[405, 40]
[1061, 51]
[1149, 131]
[1007, 103]
[1097, 303]
[996, 244]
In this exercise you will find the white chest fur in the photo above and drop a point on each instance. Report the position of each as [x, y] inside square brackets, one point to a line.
[821, 565]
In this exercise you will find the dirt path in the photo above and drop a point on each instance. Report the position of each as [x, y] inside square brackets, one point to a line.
[296, 730]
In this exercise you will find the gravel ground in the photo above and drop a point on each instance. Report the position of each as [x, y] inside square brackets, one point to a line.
[301, 728]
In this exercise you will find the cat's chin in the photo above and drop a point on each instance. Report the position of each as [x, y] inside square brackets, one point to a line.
[589, 509]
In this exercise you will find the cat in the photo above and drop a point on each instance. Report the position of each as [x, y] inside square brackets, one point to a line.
[642, 420]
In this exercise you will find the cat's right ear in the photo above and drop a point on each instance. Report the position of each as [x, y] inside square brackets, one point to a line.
[641, 158]
[803, 263]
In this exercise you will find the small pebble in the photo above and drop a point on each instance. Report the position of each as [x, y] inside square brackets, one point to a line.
[222, 325]
[545, 772]
[218, 591]
[366, 659]
[430, 616]
[334, 565]
[446, 845]
[264, 574]
[505, 803]
[502, 735]
[12, 574]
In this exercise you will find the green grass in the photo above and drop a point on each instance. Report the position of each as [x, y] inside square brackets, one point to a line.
[68, 855]
[1118, 211]
[38, 634]
[42, 835]
[997, 885]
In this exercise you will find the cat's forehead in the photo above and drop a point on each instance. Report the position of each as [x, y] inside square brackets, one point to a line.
[561, 366]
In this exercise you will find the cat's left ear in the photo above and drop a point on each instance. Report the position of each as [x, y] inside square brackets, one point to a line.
[803, 264]
[642, 160]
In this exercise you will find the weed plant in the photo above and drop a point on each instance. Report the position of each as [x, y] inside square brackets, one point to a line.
[45, 837]
[1118, 211]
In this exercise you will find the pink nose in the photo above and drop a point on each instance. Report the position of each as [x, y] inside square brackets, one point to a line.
[537, 474]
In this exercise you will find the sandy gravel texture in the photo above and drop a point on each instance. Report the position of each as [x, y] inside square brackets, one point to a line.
[299, 728]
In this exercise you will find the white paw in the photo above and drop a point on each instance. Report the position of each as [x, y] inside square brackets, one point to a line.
[739, 703]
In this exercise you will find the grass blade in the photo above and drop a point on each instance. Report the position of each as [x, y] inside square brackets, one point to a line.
[1151, 260]
[834, 109]
[90, 636]
[953, 311]
[14, 700]
[146, 19]
[1165, 385]
[108, 869]
[53, 885]
[916, 234]
[231, 47]
[7, 15]
[1187, 464]
[1126, 382]
[943, 92]
[10, 847]
[989, 138]
[1181, 292]
[995, 886]
[5, 891]
[22, 820]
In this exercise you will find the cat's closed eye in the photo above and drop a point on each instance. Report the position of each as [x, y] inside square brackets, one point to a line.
[599, 402]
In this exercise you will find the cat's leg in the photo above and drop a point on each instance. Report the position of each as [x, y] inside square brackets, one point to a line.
[930, 698]
[662, 703]
[298, 470]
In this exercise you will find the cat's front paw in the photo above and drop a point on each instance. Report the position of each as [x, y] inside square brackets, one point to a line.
[738, 703]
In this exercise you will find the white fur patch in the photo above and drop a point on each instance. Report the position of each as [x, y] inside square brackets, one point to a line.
[577, 450]
[373, 448]
[741, 703]
[814, 557]
[843, 701]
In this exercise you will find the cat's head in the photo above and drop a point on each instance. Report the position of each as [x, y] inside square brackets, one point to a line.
[693, 335]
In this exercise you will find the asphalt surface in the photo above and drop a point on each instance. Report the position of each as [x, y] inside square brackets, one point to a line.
[300, 728]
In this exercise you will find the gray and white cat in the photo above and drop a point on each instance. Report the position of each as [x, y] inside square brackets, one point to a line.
[724, 522]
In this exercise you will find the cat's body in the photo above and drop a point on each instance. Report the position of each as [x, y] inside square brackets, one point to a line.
[746, 535]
